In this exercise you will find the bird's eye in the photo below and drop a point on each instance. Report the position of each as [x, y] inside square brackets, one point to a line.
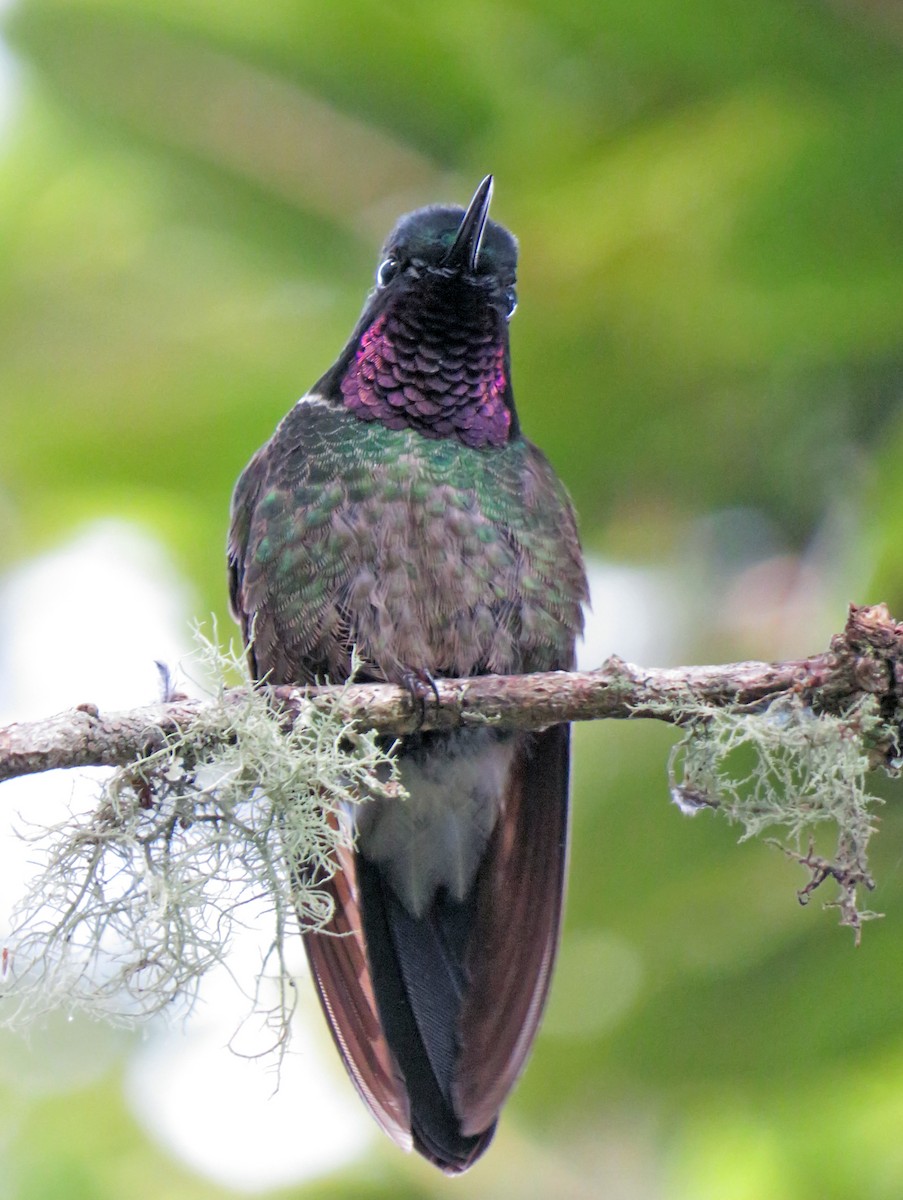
[388, 269]
[511, 302]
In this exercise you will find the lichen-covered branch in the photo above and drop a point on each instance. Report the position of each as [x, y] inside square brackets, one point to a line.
[243, 801]
[866, 659]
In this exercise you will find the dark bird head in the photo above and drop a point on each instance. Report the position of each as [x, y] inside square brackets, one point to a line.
[430, 351]
[452, 255]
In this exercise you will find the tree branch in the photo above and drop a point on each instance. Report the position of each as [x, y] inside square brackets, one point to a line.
[866, 659]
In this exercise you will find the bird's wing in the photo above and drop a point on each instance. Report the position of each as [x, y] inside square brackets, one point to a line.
[287, 558]
[244, 499]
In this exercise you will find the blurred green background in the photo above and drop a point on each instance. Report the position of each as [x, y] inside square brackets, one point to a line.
[709, 200]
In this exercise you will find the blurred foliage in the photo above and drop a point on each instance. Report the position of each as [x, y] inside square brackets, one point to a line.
[708, 200]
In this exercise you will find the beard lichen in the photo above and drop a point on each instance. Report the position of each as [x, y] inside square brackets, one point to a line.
[134, 902]
[784, 766]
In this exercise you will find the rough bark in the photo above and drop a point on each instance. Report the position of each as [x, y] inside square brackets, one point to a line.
[866, 658]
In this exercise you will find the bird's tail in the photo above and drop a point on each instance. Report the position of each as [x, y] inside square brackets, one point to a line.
[434, 1013]
[419, 975]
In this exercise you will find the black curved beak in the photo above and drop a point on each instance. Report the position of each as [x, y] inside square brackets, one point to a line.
[465, 249]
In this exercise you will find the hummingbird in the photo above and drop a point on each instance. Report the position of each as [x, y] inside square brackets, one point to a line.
[398, 510]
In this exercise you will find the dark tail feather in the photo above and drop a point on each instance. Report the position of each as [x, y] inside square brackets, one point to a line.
[519, 900]
[434, 1016]
[417, 968]
[338, 962]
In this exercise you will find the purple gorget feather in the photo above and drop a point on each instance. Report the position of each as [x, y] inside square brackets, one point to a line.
[442, 379]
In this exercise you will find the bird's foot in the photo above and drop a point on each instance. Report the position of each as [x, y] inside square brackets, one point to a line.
[419, 684]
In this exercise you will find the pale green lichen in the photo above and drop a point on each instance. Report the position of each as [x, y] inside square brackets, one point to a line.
[783, 766]
[134, 902]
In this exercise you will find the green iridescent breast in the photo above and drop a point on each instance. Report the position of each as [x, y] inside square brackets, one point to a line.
[425, 554]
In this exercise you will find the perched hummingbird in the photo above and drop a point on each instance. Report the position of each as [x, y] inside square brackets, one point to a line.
[398, 509]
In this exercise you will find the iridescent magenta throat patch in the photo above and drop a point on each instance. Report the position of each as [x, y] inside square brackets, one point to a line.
[441, 381]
